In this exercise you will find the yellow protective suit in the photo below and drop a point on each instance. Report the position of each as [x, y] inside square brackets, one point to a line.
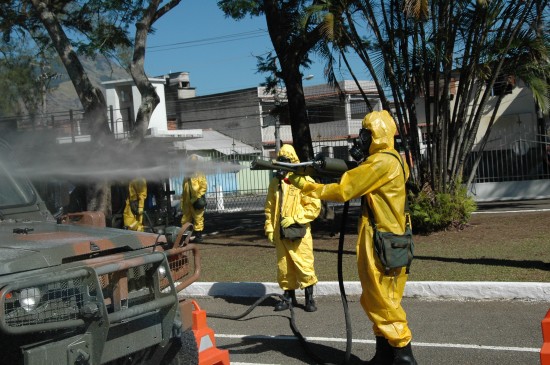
[193, 188]
[295, 261]
[380, 180]
[137, 192]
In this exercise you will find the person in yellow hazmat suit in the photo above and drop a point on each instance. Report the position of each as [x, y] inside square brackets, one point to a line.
[286, 207]
[135, 203]
[378, 179]
[193, 189]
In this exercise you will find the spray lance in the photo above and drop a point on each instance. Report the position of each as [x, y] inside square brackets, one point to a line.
[320, 166]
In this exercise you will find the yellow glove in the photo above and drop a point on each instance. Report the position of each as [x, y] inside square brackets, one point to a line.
[270, 236]
[296, 180]
[287, 222]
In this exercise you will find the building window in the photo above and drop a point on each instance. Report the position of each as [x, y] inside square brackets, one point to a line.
[503, 84]
[358, 109]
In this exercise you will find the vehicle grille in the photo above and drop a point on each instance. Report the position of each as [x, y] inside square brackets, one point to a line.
[107, 288]
[59, 301]
[179, 267]
[125, 288]
[184, 265]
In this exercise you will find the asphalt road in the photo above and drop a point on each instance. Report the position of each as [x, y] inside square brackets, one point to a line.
[444, 332]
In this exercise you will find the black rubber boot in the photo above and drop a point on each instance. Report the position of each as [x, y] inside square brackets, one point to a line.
[198, 237]
[310, 302]
[383, 354]
[403, 356]
[288, 296]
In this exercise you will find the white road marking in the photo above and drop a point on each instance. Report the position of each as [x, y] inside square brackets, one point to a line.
[513, 211]
[421, 344]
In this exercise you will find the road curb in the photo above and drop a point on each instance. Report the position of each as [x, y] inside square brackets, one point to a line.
[456, 290]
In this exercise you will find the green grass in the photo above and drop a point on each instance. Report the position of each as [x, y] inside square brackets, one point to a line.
[492, 247]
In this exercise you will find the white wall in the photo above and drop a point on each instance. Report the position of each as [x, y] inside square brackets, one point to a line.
[113, 91]
[113, 100]
[517, 106]
[510, 190]
[159, 119]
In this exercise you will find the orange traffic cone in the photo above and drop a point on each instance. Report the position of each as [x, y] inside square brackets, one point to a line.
[545, 350]
[209, 354]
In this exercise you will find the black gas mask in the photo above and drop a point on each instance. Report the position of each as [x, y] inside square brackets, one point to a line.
[281, 174]
[360, 149]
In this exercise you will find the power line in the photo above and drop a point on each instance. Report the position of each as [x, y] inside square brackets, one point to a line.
[209, 41]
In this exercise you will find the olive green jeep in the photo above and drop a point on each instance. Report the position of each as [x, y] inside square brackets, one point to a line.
[72, 293]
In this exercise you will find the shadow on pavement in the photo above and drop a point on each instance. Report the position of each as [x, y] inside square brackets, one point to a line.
[523, 264]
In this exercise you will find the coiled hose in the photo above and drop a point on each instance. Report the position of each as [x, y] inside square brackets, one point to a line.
[293, 326]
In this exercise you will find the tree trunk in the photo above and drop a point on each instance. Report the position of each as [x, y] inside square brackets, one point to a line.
[291, 51]
[92, 99]
[298, 117]
[149, 97]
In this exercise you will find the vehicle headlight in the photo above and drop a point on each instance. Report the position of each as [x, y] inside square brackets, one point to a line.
[29, 298]
[162, 272]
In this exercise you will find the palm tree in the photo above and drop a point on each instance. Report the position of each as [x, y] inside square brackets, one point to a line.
[449, 52]
[292, 40]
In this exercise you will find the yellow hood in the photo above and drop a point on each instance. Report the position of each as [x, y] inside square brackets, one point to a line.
[288, 152]
[383, 129]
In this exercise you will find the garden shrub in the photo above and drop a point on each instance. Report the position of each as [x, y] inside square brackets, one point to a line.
[432, 212]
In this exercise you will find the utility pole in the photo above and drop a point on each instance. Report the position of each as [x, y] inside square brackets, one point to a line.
[277, 135]
[277, 118]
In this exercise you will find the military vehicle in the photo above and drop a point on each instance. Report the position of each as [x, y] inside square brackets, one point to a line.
[75, 292]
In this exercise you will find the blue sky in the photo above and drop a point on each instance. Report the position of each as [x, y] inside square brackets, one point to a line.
[218, 52]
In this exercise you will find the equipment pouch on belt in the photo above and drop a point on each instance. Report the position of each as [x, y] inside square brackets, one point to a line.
[394, 250]
[294, 231]
[200, 203]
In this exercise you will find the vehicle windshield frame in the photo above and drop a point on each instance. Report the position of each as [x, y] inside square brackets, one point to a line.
[15, 189]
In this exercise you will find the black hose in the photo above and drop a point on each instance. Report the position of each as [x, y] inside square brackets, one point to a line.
[250, 309]
[343, 297]
[151, 225]
[293, 326]
[349, 338]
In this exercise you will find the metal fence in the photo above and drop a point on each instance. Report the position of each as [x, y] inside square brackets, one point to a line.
[241, 190]
[245, 190]
[69, 126]
[524, 160]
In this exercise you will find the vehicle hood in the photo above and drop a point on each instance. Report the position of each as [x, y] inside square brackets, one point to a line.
[35, 245]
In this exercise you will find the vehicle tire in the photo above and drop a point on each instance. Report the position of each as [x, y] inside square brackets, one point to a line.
[184, 351]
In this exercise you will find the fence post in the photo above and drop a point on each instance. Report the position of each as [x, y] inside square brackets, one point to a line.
[111, 116]
[72, 124]
[131, 122]
[219, 198]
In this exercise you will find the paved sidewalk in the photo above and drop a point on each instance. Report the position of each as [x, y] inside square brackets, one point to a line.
[419, 289]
